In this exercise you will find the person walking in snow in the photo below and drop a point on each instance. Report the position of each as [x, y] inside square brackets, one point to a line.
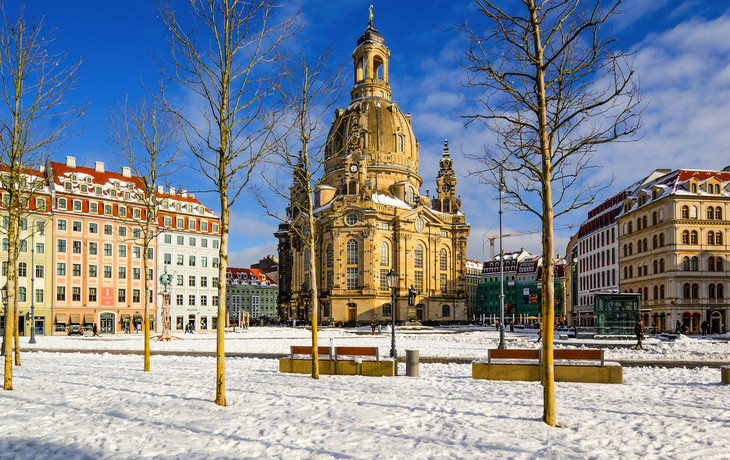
[678, 329]
[539, 334]
[511, 326]
[639, 331]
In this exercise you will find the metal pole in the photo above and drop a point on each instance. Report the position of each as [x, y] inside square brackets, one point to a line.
[502, 345]
[32, 289]
[393, 353]
[5, 324]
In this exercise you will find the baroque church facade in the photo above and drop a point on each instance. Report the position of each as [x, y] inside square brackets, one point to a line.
[372, 217]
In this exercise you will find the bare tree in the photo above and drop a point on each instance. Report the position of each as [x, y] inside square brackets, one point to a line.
[309, 92]
[34, 118]
[225, 59]
[144, 137]
[552, 84]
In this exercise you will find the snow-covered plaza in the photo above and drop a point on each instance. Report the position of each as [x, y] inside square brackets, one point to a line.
[102, 405]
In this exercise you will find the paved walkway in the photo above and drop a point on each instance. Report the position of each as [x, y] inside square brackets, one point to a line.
[401, 359]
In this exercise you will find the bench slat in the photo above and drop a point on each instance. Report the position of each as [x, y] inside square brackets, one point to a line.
[306, 350]
[577, 354]
[517, 353]
[356, 351]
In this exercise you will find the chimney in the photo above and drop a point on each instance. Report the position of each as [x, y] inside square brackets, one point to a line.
[183, 193]
[160, 189]
[126, 171]
[172, 190]
[99, 166]
[71, 162]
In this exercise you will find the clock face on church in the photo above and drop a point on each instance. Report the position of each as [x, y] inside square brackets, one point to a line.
[446, 188]
[353, 169]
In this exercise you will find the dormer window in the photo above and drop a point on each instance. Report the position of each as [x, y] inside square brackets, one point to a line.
[178, 207]
[67, 186]
[88, 180]
[399, 142]
[113, 193]
[117, 185]
[165, 205]
[97, 190]
[84, 188]
[73, 177]
[693, 187]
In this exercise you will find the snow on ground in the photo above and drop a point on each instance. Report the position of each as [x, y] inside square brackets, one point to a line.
[102, 406]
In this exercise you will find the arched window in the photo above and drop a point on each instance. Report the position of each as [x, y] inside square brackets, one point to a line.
[711, 264]
[399, 142]
[418, 256]
[656, 267]
[693, 212]
[710, 213]
[638, 247]
[719, 266]
[661, 215]
[446, 311]
[661, 266]
[631, 271]
[686, 291]
[695, 291]
[626, 250]
[718, 213]
[643, 222]
[307, 259]
[685, 237]
[22, 269]
[718, 238]
[695, 264]
[717, 189]
[711, 291]
[661, 240]
[685, 212]
[352, 252]
[685, 264]
[646, 245]
[409, 195]
[378, 67]
[719, 291]
[693, 188]
[656, 292]
[693, 237]
[654, 219]
[654, 242]
[352, 188]
[638, 224]
[645, 294]
[330, 256]
[626, 272]
[443, 260]
[710, 238]
[631, 228]
[384, 254]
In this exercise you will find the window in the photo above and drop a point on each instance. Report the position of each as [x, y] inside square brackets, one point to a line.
[694, 263]
[203, 300]
[661, 240]
[107, 271]
[387, 310]
[61, 269]
[191, 261]
[384, 254]
[107, 209]
[685, 237]
[695, 291]
[710, 238]
[418, 256]
[76, 270]
[167, 259]
[718, 238]
[685, 264]
[92, 271]
[215, 244]
[693, 237]
[711, 291]
[445, 311]
[384, 279]
[215, 262]
[214, 282]
[214, 228]
[179, 280]
[76, 226]
[191, 300]
[61, 204]
[179, 300]
[180, 259]
[654, 242]
[191, 224]
[76, 294]
[351, 219]
[179, 223]
[418, 278]
[410, 195]
[136, 252]
[122, 250]
[121, 295]
[443, 260]
[122, 272]
[168, 239]
[136, 233]
[93, 248]
[719, 265]
[122, 232]
[107, 229]
[180, 240]
[61, 293]
[661, 266]
[94, 208]
[203, 261]
[203, 281]
[61, 224]
[135, 296]
[93, 228]
[352, 278]
[39, 271]
[719, 291]
[191, 281]
[40, 248]
[442, 282]
[39, 295]
[136, 274]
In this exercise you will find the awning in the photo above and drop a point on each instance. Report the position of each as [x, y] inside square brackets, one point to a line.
[152, 318]
[662, 315]
[75, 318]
[138, 317]
[88, 318]
[697, 315]
[125, 318]
[61, 318]
[654, 315]
[687, 314]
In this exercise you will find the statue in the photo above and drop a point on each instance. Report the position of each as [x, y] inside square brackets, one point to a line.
[165, 281]
[371, 14]
[412, 296]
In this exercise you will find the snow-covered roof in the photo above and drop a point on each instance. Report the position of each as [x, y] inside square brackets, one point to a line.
[390, 201]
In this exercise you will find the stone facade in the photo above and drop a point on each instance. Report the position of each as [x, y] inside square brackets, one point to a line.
[372, 217]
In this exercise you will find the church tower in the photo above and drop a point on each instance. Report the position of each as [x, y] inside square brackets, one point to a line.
[372, 217]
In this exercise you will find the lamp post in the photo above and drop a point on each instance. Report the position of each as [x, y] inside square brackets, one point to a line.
[502, 345]
[4, 291]
[393, 285]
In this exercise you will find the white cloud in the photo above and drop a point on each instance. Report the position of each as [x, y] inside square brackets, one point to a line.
[251, 255]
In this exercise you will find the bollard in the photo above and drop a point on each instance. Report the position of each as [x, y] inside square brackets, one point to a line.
[412, 363]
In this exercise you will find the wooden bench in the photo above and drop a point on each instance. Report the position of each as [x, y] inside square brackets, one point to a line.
[331, 361]
[528, 366]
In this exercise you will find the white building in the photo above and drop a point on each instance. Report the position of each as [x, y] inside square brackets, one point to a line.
[188, 246]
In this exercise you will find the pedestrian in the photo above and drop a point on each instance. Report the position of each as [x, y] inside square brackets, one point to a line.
[539, 334]
[372, 326]
[380, 329]
[703, 327]
[511, 326]
[678, 329]
[95, 331]
[496, 326]
[639, 331]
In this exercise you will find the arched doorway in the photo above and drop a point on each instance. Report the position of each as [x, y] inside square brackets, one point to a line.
[716, 323]
[191, 321]
[351, 312]
[419, 311]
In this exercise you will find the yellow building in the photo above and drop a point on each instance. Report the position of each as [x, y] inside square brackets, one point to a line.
[374, 217]
[673, 246]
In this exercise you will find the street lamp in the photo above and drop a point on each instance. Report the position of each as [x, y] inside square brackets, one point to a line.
[393, 285]
[502, 189]
[4, 291]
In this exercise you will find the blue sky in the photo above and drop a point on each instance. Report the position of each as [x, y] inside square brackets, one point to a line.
[682, 56]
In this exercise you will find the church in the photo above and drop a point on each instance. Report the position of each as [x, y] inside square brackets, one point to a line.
[373, 218]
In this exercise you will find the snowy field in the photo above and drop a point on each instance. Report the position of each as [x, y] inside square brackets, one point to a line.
[99, 406]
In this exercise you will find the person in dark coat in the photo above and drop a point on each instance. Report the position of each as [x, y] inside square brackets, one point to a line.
[639, 331]
[678, 329]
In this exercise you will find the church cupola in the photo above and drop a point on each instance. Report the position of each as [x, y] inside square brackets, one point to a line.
[446, 200]
[371, 65]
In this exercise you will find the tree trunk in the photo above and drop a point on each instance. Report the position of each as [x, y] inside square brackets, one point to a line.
[220, 386]
[16, 326]
[12, 279]
[145, 300]
[548, 288]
